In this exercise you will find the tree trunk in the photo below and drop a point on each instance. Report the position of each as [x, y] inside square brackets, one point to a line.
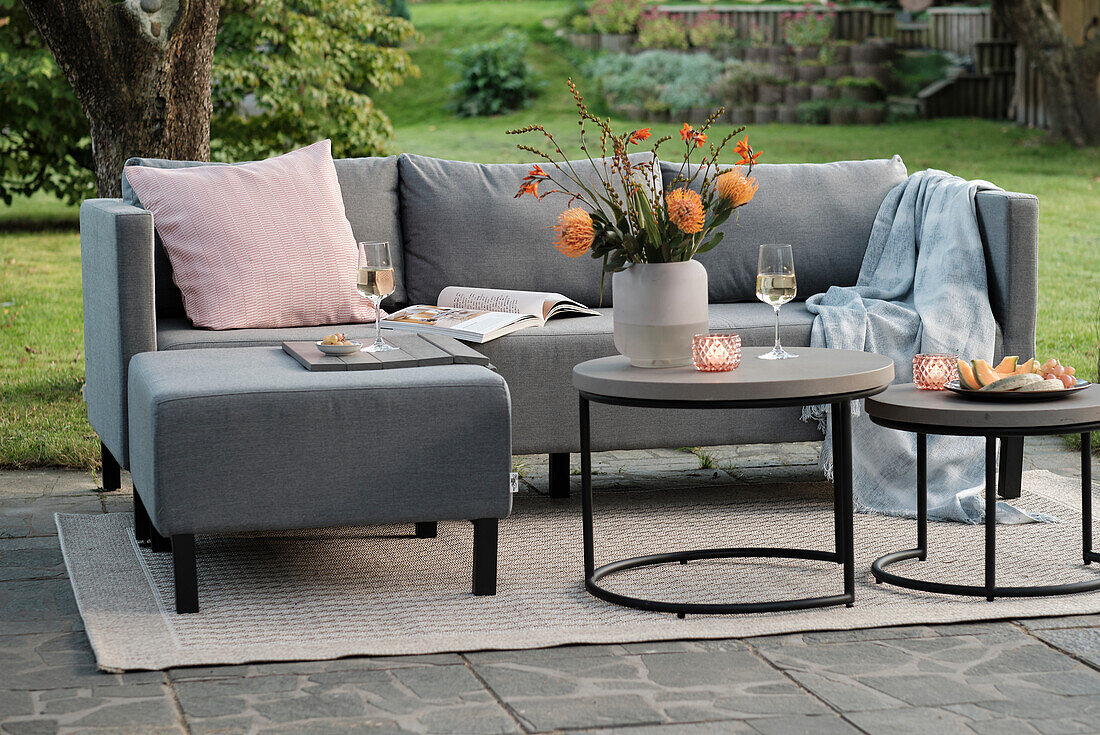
[1069, 72]
[141, 70]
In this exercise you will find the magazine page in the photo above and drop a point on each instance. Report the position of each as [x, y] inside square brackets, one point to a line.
[467, 324]
[539, 304]
[495, 299]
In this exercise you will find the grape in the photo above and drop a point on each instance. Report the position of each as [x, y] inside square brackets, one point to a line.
[1068, 381]
[1070, 370]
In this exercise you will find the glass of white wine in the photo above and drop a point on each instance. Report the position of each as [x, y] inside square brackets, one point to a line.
[376, 282]
[775, 286]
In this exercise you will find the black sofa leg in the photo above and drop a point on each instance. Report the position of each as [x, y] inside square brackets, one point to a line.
[186, 573]
[158, 543]
[1012, 466]
[143, 527]
[485, 556]
[426, 529]
[559, 475]
[112, 473]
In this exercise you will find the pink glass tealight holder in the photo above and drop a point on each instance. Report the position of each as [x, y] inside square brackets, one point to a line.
[715, 353]
[932, 370]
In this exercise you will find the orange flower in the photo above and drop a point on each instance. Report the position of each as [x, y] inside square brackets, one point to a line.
[746, 152]
[575, 232]
[685, 209]
[686, 132]
[700, 138]
[638, 136]
[528, 187]
[734, 187]
[536, 174]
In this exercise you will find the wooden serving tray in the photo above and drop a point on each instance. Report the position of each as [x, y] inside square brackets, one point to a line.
[414, 350]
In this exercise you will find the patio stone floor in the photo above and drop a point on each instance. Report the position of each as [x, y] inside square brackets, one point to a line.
[997, 678]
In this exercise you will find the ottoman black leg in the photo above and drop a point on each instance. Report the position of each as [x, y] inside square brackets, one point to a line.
[158, 543]
[990, 516]
[485, 556]
[426, 529]
[143, 528]
[842, 494]
[1086, 499]
[186, 573]
[559, 475]
[112, 473]
[1012, 466]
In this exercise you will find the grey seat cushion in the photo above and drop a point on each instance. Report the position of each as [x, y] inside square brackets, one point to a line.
[464, 227]
[824, 210]
[247, 440]
[369, 190]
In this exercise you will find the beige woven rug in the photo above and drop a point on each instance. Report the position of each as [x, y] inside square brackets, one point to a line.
[377, 591]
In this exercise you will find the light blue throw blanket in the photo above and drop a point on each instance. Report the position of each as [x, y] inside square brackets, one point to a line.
[922, 288]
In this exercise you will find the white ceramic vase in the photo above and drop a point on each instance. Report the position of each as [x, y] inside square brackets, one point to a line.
[659, 307]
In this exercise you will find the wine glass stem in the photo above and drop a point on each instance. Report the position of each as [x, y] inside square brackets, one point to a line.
[378, 321]
[778, 347]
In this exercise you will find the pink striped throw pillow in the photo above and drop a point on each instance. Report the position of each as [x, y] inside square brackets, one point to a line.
[263, 244]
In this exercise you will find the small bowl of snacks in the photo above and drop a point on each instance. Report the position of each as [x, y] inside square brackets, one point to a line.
[338, 344]
[1012, 380]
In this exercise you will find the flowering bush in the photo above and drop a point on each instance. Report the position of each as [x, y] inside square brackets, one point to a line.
[627, 217]
[808, 27]
[658, 80]
[657, 30]
[707, 31]
[616, 16]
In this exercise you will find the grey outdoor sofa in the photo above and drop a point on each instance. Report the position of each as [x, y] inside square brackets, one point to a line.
[457, 223]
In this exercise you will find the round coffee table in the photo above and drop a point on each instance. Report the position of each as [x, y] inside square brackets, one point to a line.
[924, 412]
[817, 376]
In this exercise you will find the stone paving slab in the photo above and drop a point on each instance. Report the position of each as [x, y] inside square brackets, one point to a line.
[1000, 678]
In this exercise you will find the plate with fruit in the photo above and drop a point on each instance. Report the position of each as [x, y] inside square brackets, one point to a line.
[1012, 380]
[338, 344]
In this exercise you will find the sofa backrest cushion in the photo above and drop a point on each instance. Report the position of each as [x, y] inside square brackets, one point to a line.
[824, 210]
[262, 244]
[369, 190]
[463, 226]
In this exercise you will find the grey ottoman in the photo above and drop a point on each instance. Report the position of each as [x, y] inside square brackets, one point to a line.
[246, 439]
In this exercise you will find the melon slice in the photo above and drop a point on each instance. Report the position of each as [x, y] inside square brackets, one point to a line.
[966, 376]
[1027, 367]
[1043, 385]
[1007, 366]
[1012, 382]
[985, 373]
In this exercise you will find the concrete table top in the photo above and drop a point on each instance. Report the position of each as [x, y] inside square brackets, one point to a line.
[942, 409]
[816, 372]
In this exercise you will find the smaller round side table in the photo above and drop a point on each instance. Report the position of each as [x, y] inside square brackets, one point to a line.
[923, 412]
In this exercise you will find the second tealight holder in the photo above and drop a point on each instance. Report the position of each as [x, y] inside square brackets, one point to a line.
[716, 353]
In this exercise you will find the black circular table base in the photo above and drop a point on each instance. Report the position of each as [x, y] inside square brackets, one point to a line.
[878, 569]
[689, 608]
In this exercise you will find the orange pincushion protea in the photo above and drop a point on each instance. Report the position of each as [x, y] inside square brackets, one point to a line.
[734, 187]
[685, 209]
[575, 232]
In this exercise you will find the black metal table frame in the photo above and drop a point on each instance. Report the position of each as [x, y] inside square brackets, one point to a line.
[990, 590]
[843, 554]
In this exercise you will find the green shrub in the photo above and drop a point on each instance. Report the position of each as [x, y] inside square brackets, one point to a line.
[616, 16]
[659, 31]
[494, 77]
[915, 71]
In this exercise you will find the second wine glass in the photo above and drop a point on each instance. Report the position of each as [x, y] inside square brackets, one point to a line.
[376, 282]
[775, 286]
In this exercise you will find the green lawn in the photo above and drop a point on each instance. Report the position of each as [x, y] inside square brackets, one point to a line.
[42, 419]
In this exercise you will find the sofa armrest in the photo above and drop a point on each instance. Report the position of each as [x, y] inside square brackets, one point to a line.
[116, 263]
[1009, 225]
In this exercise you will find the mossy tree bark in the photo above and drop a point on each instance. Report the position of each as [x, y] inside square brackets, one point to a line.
[141, 71]
[1069, 70]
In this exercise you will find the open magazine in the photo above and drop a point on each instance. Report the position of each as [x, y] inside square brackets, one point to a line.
[482, 314]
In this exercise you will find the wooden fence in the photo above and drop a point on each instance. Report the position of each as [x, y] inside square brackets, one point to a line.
[957, 29]
[1027, 104]
[970, 95]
